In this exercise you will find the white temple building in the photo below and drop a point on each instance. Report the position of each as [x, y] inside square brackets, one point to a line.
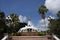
[29, 27]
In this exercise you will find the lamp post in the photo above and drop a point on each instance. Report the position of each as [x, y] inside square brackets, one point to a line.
[50, 19]
[8, 23]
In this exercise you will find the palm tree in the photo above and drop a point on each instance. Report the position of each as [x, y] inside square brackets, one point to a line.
[42, 10]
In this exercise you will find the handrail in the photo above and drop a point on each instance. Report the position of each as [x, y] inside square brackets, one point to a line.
[5, 37]
[55, 37]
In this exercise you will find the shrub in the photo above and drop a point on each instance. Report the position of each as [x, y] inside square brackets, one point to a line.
[42, 33]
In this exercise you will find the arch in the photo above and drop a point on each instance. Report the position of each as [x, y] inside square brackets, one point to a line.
[29, 30]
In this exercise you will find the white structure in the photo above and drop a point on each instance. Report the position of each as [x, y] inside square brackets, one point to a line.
[51, 17]
[8, 17]
[5, 37]
[29, 27]
[55, 37]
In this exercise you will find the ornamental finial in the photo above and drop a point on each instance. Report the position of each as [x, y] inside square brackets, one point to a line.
[29, 18]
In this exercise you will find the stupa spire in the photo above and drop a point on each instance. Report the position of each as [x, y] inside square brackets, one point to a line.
[29, 21]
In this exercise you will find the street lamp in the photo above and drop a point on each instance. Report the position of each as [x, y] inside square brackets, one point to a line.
[8, 23]
[50, 19]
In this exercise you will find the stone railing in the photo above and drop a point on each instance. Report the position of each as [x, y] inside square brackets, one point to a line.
[5, 37]
[55, 37]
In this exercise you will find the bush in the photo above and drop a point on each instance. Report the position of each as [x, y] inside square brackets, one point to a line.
[16, 34]
[42, 33]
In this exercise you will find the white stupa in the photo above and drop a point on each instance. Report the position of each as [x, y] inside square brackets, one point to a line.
[29, 27]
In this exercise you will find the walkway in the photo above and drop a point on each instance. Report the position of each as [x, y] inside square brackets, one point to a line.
[30, 38]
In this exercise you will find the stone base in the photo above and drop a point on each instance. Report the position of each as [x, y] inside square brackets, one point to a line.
[29, 34]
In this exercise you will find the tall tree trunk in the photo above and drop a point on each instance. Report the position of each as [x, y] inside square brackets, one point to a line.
[43, 15]
[45, 26]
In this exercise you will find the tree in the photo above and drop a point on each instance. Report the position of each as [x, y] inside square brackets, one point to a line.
[2, 21]
[42, 10]
[2, 24]
[15, 24]
[14, 17]
[54, 26]
[58, 14]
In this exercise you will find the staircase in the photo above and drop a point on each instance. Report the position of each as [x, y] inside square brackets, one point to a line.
[47, 37]
[29, 38]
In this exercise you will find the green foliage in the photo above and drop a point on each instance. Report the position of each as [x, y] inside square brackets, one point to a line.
[42, 10]
[14, 17]
[2, 22]
[14, 29]
[14, 25]
[58, 14]
[16, 34]
[55, 25]
[3, 27]
[42, 33]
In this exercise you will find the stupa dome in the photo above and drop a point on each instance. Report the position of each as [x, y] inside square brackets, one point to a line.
[29, 27]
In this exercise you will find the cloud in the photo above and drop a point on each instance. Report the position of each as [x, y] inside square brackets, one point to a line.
[22, 18]
[41, 24]
[53, 5]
